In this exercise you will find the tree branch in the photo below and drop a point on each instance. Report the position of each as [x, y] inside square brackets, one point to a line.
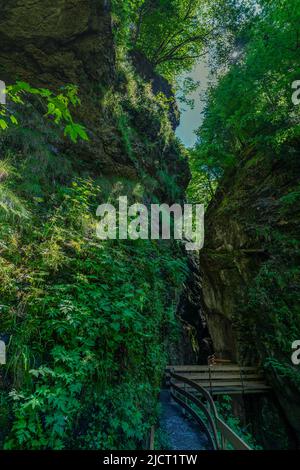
[181, 58]
[170, 53]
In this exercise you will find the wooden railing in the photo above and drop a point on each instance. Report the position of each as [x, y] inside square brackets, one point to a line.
[192, 397]
[224, 378]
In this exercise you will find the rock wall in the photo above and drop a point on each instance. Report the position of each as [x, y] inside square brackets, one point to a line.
[132, 150]
[196, 343]
[57, 42]
[54, 42]
[249, 289]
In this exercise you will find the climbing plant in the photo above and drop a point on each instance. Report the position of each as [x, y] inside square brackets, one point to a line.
[58, 107]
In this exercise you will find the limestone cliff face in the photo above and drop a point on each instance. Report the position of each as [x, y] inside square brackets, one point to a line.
[56, 42]
[158, 84]
[249, 270]
[132, 151]
[53, 43]
[196, 343]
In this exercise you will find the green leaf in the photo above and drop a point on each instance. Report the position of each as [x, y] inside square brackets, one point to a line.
[3, 124]
[14, 120]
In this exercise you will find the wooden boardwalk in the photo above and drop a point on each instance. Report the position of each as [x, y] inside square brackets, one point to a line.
[222, 379]
[193, 387]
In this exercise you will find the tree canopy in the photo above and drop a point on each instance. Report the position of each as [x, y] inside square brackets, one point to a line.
[173, 34]
[251, 106]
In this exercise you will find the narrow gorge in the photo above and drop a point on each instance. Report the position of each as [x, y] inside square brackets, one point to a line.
[94, 99]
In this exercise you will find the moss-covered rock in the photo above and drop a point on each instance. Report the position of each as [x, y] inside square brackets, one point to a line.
[88, 322]
[55, 42]
[250, 268]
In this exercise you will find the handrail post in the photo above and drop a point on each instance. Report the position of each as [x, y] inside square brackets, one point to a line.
[223, 442]
[217, 425]
[172, 371]
[210, 382]
[152, 438]
[185, 399]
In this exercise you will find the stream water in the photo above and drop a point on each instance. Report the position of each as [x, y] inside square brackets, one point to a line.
[181, 432]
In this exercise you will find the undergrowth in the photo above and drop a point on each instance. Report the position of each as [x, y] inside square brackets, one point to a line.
[86, 323]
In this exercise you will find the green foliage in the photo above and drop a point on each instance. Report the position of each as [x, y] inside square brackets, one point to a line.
[289, 199]
[125, 14]
[88, 322]
[250, 109]
[172, 34]
[204, 179]
[273, 300]
[57, 107]
[251, 128]
[161, 440]
[143, 121]
[178, 31]
[102, 310]
[224, 408]
[225, 411]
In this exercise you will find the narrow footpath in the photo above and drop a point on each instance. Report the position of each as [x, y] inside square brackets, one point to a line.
[181, 432]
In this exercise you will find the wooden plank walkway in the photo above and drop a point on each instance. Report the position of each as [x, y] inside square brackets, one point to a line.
[222, 379]
[199, 403]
